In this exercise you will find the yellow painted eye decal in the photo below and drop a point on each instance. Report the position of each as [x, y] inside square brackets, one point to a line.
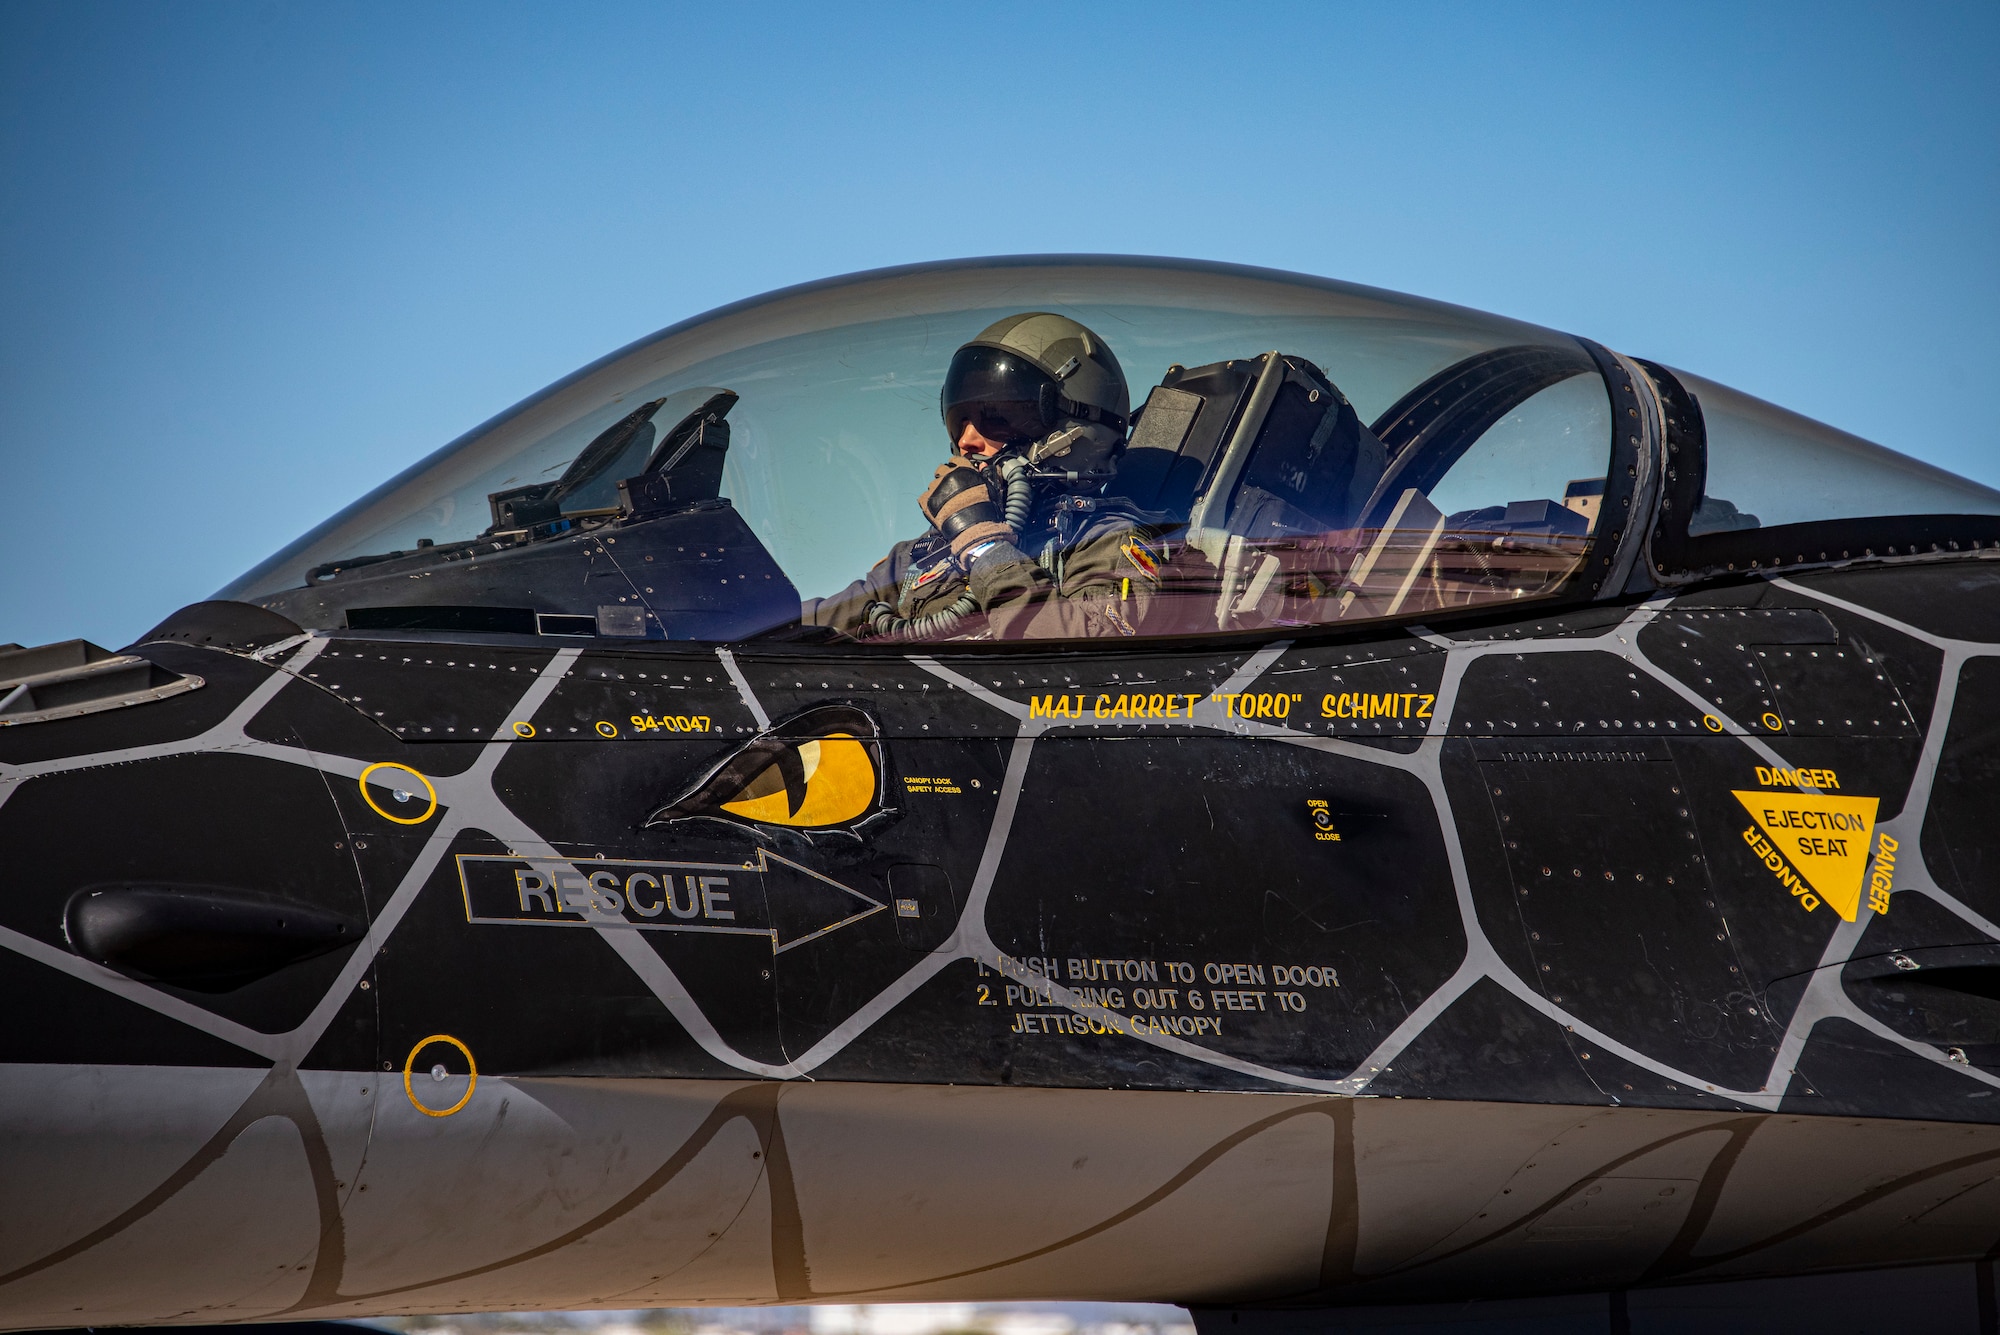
[827, 781]
[821, 770]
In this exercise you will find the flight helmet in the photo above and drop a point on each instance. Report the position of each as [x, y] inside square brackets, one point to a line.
[1044, 384]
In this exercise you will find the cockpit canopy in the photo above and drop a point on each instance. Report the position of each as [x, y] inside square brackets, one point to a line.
[1308, 453]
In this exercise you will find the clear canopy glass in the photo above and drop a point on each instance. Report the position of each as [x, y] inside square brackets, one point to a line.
[1310, 451]
[1769, 466]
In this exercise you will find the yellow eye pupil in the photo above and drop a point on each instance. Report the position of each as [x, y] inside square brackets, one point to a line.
[836, 785]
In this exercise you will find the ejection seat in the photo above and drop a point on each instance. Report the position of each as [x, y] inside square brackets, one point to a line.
[1264, 461]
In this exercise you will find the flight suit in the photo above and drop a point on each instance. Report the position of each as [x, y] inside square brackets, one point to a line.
[1084, 568]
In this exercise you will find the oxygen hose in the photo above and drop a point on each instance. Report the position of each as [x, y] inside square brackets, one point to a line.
[1016, 476]
[886, 625]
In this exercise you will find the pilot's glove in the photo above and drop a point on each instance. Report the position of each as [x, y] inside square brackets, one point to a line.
[960, 504]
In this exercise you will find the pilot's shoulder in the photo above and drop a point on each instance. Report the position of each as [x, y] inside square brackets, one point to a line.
[1113, 526]
[1115, 515]
[1123, 545]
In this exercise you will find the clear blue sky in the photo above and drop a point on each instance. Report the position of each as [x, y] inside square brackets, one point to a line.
[254, 258]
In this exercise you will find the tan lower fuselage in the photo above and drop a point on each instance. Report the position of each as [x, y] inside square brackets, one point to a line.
[188, 1195]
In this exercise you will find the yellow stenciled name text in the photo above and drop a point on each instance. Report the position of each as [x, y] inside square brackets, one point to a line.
[1376, 704]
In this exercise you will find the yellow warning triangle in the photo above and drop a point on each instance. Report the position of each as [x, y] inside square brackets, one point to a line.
[1825, 838]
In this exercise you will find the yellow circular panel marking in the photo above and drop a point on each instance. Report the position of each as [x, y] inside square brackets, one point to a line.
[1774, 723]
[524, 729]
[1711, 722]
[369, 797]
[606, 729]
[471, 1084]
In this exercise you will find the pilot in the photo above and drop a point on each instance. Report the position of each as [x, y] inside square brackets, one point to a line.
[1022, 543]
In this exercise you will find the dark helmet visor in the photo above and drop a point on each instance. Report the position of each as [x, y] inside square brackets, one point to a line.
[1001, 393]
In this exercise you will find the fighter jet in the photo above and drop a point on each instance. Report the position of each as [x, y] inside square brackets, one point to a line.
[1335, 808]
